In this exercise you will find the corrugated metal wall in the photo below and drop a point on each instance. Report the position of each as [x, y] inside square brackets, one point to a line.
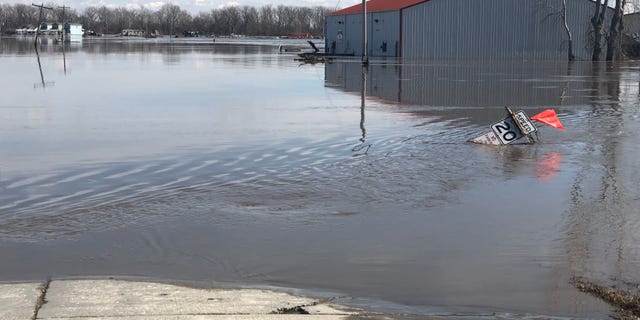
[353, 34]
[384, 34]
[334, 31]
[496, 29]
[344, 34]
[632, 24]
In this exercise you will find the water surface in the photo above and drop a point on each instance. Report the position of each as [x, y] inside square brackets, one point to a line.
[232, 163]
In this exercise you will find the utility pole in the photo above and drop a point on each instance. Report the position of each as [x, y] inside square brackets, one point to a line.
[365, 57]
[64, 23]
[35, 43]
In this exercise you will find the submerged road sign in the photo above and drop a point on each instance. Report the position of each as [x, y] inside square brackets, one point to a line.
[524, 124]
[508, 131]
[515, 126]
[486, 138]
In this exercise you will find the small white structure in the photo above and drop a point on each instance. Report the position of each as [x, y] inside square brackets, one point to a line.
[26, 31]
[73, 32]
[133, 33]
[74, 29]
[64, 31]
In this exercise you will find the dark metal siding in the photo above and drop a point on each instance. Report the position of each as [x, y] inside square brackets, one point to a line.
[334, 34]
[383, 28]
[496, 29]
[384, 38]
[632, 24]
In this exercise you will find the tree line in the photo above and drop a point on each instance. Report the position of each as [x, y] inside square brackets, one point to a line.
[171, 19]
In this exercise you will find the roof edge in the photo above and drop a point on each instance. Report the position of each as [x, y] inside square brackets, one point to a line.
[377, 6]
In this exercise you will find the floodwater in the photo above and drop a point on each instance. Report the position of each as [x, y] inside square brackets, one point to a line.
[232, 164]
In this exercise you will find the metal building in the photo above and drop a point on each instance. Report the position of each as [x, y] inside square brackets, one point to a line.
[465, 29]
[343, 28]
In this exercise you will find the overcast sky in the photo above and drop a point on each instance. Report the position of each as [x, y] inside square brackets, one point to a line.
[190, 5]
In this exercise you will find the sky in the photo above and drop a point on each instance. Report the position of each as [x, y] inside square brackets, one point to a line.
[191, 5]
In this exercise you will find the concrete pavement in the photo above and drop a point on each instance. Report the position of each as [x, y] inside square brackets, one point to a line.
[134, 300]
[17, 301]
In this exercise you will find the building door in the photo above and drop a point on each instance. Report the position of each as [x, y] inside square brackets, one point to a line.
[384, 34]
[335, 35]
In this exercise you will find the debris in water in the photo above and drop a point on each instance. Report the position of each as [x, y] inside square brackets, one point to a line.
[313, 57]
[628, 304]
[517, 126]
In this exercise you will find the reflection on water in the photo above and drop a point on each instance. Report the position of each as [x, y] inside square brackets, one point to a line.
[363, 147]
[232, 163]
[477, 92]
[548, 166]
[600, 228]
[40, 68]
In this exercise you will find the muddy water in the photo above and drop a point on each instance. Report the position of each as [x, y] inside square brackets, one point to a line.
[233, 164]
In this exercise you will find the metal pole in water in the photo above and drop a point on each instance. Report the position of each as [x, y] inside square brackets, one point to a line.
[35, 42]
[63, 23]
[363, 98]
[365, 58]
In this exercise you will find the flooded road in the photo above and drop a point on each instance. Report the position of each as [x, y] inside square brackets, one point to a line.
[226, 163]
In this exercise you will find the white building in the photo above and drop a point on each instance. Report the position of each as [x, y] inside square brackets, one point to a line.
[66, 31]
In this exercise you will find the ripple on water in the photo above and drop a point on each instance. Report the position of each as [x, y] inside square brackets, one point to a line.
[296, 179]
[408, 173]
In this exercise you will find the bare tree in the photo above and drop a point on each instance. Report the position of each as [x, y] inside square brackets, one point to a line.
[249, 20]
[550, 9]
[89, 18]
[3, 17]
[104, 17]
[168, 16]
[570, 55]
[597, 21]
[25, 14]
[613, 41]
[228, 20]
[63, 14]
[267, 20]
[203, 22]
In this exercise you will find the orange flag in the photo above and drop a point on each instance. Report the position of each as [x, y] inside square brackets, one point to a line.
[549, 118]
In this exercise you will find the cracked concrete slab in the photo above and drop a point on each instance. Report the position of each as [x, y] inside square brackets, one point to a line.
[108, 299]
[18, 300]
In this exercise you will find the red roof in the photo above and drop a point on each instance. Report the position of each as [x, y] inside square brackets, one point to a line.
[378, 5]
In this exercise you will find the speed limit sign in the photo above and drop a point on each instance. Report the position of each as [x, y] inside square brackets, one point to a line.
[508, 131]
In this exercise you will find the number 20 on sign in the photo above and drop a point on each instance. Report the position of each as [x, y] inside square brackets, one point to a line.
[507, 130]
